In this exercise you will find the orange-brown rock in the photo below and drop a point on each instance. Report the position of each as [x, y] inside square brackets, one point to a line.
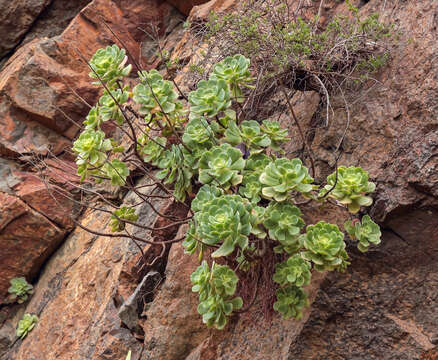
[76, 297]
[27, 238]
[16, 19]
[37, 111]
[186, 5]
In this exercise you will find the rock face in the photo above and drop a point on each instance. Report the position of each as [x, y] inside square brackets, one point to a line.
[38, 116]
[16, 20]
[186, 5]
[77, 297]
[384, 307]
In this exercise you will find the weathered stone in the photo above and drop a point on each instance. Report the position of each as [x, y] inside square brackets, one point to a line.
[54, 19]
[77, 299]
[173, 327]
[202, 12]
[132, 308]
[186, 5]
[15, 21]
[35, 98]
[27, 239]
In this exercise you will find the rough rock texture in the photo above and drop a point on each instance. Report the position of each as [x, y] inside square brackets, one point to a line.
[172, 327]
[54, 19]
[21, 254]
[386, 306]
[77, 301]
[37, 111]
[186, 5]
[16, 20]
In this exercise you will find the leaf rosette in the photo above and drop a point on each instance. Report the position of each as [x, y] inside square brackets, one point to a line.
[366, 233]
[295, 271]
[198, 136]
[91, 148]
[221, 166]
[151, 150]
[284, 223]
[275, 133]
[109, 109]
[235, 71]
[325, 246]
[109, 65]
[215, 287]
[251, 188]
[209, 99]
[350, 188]
[205, 195]
[226, 221]
[290, 302]
[155, 95]
[20, 289]
[282, 176]
[249, 133]
[26, 325]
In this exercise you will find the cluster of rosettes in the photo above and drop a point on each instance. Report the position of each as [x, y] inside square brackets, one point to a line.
[216, 288]
[247, 188]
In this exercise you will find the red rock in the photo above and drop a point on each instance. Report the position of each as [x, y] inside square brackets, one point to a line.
[16, 19]
[186, 5]
[35, 96]
[27, 238]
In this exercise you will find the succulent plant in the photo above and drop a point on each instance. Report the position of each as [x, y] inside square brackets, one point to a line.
[205, 195]
[257, 163]
[290, 302]
[275, 133]
[283, 221]
[325, 246]
[117, 171]
[350, 188]
[221, 166]
[192, 241]
[235, 71]
[26, 325]
[177, 170]
[109, 65]
[282, 176]
[251, 188]
[155, 95]
[229, 116]
[128, 357]
[209, 99]
[91, 148]
[295, 271]
[20, 289]
[152, 150]
[124, 213]
[93, 119]
[249, 133]
[366, 232]
[109, 109]
[200, 279]
[215, 287]
[198, 136]
[225, 220]
[256, 219]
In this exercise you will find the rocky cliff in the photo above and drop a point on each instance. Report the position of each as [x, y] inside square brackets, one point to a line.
[91, 298]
